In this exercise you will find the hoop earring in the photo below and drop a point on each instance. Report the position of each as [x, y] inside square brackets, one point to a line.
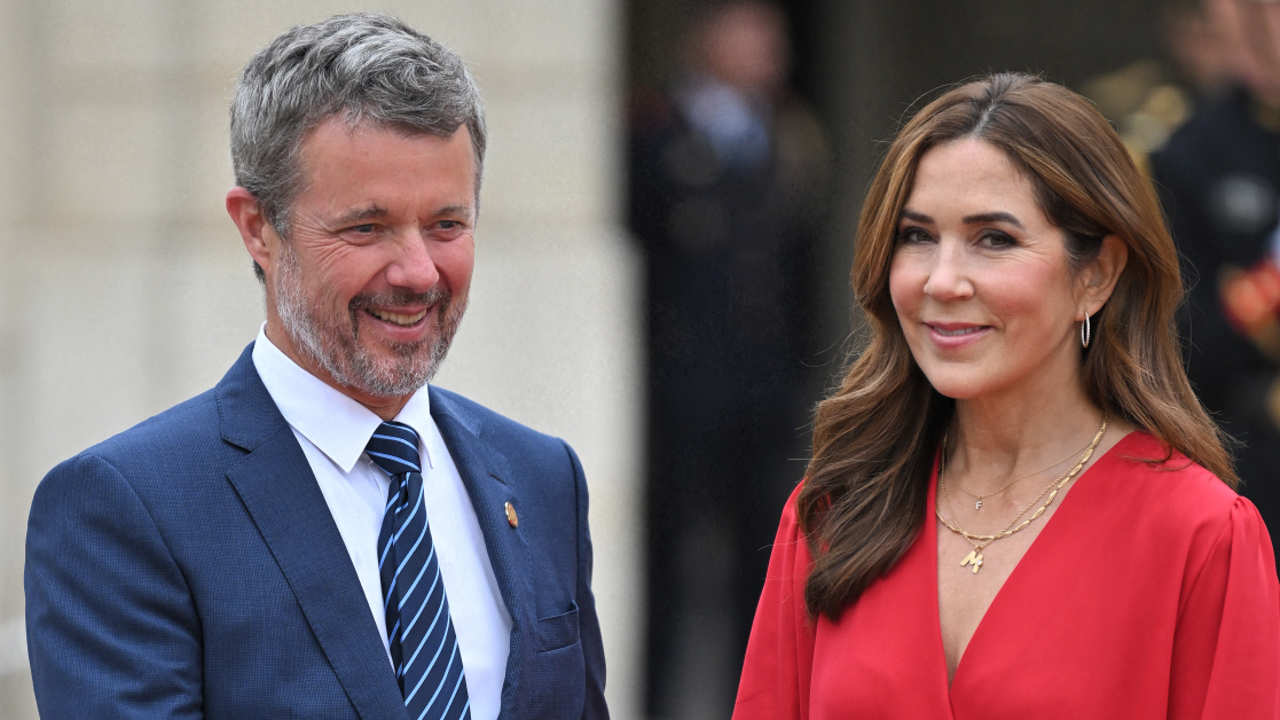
[1086, 332]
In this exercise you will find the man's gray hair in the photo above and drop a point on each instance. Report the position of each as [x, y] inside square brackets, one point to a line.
[366, 66]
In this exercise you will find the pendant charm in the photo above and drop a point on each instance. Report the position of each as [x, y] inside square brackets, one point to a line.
[974, 558]
[978, 505]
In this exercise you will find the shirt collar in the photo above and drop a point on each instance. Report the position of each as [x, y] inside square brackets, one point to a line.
[337, 425]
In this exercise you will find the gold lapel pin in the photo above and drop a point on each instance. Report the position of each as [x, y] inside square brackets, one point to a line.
[512, 519]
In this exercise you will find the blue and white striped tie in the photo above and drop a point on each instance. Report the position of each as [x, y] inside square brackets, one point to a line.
[423, 645]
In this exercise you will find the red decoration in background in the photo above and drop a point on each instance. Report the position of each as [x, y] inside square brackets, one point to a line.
[1251, 298]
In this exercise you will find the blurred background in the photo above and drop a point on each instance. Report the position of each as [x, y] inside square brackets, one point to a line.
[670, 192]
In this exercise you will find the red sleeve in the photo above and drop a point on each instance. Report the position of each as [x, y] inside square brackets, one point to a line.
[1226, 654]
[777, 668]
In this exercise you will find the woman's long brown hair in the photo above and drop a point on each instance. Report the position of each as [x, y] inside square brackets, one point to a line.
[874, 438]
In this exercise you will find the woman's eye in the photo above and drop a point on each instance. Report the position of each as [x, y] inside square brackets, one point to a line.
[913, 235]
[997, 239]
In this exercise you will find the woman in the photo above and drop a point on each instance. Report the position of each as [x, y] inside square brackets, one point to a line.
[1016, 506]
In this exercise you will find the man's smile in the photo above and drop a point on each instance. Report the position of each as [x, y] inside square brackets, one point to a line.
[398, 318]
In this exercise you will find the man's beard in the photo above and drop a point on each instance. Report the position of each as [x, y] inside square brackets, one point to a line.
[337, 349]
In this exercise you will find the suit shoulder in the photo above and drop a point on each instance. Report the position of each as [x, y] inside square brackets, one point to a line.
[1212, 139]
[490, 423]
[173, 432]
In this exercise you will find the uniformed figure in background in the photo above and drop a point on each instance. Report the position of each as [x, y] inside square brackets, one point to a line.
[1219, 180]
[727, 170]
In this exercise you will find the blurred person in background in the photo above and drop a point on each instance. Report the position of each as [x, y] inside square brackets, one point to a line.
[323, 534]
[727, 171]
[1205, 44]
[1016, 506]
[1219, 180]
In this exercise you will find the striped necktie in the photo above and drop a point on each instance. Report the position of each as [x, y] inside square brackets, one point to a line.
[424, 648]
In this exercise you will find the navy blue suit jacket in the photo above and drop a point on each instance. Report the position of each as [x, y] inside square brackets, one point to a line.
[189, 567]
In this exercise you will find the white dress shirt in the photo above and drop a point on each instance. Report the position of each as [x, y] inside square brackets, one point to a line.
[332, 430]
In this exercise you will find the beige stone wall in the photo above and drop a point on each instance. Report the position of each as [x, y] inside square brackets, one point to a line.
[124, 288]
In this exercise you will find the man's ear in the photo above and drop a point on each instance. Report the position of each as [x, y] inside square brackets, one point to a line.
[1100, 276]
[260, 239]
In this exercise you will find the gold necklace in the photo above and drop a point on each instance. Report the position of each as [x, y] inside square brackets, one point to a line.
[979, 500]
[979, 541]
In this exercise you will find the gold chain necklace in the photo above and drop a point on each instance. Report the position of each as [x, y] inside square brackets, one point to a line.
[979, 541]
[979, 500]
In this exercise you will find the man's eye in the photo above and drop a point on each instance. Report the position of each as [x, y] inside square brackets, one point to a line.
[364, 229]
[449, 228]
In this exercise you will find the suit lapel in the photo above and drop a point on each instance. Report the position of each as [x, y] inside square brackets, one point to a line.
[490, 484]
[281, 495]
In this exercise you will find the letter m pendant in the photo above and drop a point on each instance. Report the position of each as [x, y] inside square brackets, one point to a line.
[974, 558]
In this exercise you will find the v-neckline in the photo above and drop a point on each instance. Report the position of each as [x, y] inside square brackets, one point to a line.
[931, 537]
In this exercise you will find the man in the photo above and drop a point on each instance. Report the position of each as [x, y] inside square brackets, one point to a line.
[726, 168]
[322, 534]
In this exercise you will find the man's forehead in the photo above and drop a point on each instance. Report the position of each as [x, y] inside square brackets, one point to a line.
[368, 171]
[339, 126]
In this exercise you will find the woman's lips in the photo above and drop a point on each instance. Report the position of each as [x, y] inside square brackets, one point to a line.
[955, 335]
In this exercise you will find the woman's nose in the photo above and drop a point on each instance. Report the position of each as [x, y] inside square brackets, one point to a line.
[948, 275]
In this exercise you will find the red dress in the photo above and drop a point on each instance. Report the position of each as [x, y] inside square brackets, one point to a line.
[1150, 593]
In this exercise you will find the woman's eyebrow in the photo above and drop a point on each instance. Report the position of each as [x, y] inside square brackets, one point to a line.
[992, 217]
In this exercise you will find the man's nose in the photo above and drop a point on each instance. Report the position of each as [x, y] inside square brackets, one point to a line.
[948, 277]
[413, 268]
